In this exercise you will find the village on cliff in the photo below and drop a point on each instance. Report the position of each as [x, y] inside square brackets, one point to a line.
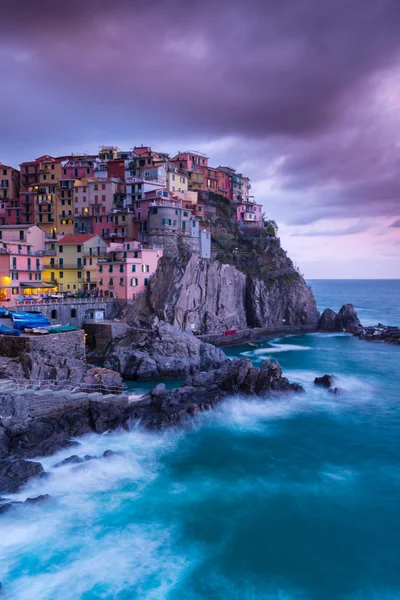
[99, 224]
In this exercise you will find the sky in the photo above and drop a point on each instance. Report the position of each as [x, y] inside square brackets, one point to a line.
[303, 96]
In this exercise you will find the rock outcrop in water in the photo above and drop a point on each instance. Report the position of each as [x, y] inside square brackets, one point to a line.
[378, 333]
[162, 351]
[345, 320]
[41, 424]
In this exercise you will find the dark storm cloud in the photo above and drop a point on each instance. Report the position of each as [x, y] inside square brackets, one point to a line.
[295, 79]
[395, 223]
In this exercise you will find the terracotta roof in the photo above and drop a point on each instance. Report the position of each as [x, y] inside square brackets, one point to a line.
[77, 238]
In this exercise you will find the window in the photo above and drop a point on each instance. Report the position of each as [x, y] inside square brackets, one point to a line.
[134, 281]
[38, 276]
[79, 248]
[185, 214]
[110, 269]
[199, 209]
[133, 268]
[60, 249]
[121, 281]
[53, 314]
[103, 198]
[30, 277]
[136, 255]
[183, 225]
[146, 281]
[61, 261]
[88, 171]
[121, 268]
[101, 281]
[21, 236]
[61, 275]
[79, 274]
[155, 211]
[52, 276]
[103, 187]
[73, 313]
[145, 268]
[111, 281]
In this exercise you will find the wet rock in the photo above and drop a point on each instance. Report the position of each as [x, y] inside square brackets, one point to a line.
[329, 321]
[101, 380]
[15, 474]
[336, 391]
[29, 501]
[324, 381]
[110, 453]
[71, 460]
[348, 318]
[163, 351]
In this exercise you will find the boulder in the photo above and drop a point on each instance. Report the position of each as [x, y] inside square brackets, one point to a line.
[329, 321]
[15, 474]
[324, 381]
[348, 318]
[101, 380]
[163, 351]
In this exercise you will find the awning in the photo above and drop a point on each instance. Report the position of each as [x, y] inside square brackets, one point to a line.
[37, 284]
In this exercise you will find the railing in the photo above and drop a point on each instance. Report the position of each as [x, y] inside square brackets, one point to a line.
[43, 301]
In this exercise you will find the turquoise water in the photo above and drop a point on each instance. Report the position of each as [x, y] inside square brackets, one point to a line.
[296, 497]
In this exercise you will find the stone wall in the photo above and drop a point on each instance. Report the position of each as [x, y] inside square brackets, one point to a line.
[73, 313]
[99, 334]
[70, 344]
[174, 243]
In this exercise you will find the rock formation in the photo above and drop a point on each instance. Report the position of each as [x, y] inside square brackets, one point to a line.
[345, 320]
[378, 333]
[42, 423]
[162, 351]
[208, 296]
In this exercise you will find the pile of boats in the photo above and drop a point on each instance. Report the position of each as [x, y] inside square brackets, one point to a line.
[30, 322]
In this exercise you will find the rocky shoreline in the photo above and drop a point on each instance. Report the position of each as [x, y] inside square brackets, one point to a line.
[41, 424]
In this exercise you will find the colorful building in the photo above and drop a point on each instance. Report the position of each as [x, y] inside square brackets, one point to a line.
[65, 264]
[21, 249]
[249, 213]
[125, 271]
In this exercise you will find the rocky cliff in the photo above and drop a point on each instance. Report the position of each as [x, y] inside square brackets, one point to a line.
[209, 296]
[250, 281]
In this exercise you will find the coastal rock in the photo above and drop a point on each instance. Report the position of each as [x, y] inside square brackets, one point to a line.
[385, 333]
[324, 381]
[348, 318]
[163, 351]
[209, 297]
[41, 424]
[101, 380]
[30, 501]
[329, 321]
[203, 390]
[15, 474]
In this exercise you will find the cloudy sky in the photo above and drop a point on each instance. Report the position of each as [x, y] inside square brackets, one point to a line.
[301, 95]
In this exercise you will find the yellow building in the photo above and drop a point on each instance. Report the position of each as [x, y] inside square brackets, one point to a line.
[71, 262]
[177, 181]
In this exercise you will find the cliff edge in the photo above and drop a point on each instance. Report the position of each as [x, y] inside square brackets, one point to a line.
[249, 281]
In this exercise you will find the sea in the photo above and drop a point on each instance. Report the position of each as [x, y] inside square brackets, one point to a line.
[290, 497]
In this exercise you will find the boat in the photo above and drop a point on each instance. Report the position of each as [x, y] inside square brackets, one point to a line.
[37, 330]
[30, 323]
[4, 330]
[61, 328]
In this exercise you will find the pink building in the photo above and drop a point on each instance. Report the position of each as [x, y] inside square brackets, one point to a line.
[126, 271]
[249, 213]
[20, 271]
[94, 202]
[77, 169]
